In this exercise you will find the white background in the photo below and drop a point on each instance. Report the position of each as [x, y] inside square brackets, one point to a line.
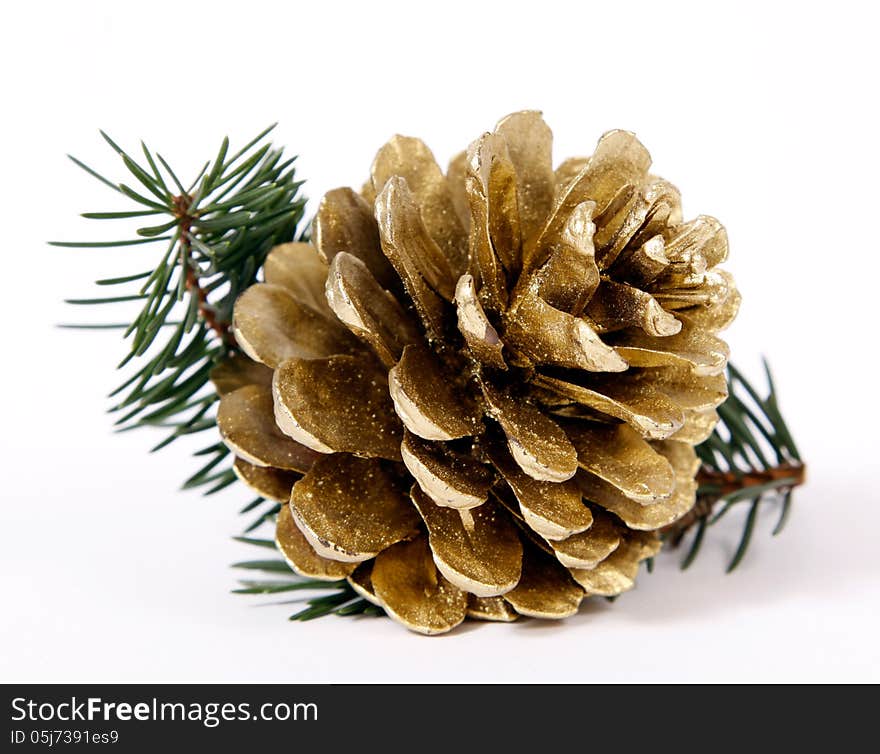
[764, 115]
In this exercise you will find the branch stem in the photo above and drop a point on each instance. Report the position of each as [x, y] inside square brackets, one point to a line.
[182, 206]
[726, 483]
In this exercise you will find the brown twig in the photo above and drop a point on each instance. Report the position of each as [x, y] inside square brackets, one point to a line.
[731, 481]
[207, 312]
[726, 482]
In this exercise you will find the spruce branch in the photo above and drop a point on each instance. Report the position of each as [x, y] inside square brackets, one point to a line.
[329, 598]
[215, 235]
[750, 459]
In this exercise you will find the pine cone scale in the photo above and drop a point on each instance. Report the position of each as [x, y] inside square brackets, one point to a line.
[617, 573]
[350, 509]
[410, 159]
[449, 478]
[619, 455]
[431, 408]
[570, 276]
[538, 444]
[529, 142]
[368, 310]
[548, 336]
[247, 425]
[484, 343]
[338, 404]
[546, 588]
[552, 510]
[587, 549]
[408, 586]
[477, 550]
[268, 482]
[620, 161]
[301, 556]
[651, 412]
[345, 223]
[296, 268]
[496, 235]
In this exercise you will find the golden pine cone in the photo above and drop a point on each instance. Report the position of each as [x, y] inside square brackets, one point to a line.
[480, 392]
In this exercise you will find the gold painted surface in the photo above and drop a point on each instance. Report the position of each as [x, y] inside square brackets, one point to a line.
[568, 170]
[490, 608]
[632, 225]
[650, 412]
[410, 159]
[448, 477]
[238, 371]
[710, 296]
[361, 581]
[643, 264]
[394, 213]
[617, 306]
[664, 214]
[618, 454]
[553, 510]
[633, 514]
[701, 351]
[345, 223]
[478, 550]
[430, 406]
[407, 242]
[546, 335]
[300, 555]
[721, 307]
[270, 326]
[681, 455]
[247, 425]
[484, 266]
[299, 269]
[619, 160]
[702, 237]
[350, 509]
[367, 309]
[492, 191]
[697, 427]
[537, 444]
[456, 175]
[569, 277]
[339, 404]
[589, 548]
[545, 590]
[574, 308]
[617, 573]
[482, 338]
[684, 388]
[412, 592]
[272, 484]
[530, 145]
[659, 514]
